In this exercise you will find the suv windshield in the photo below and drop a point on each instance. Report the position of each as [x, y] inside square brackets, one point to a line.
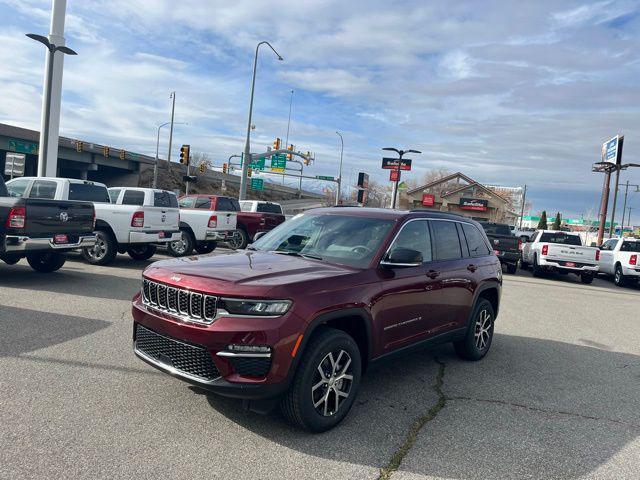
[561, 238]
[339, 239]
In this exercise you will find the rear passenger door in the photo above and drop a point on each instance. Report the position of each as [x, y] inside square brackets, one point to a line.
[164, 211]
[226, 213]
[455, 274]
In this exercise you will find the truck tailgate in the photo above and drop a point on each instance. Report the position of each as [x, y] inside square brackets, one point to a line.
[504, 243]
[571, 253]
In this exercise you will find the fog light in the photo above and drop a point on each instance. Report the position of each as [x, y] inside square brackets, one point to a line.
[248, 348]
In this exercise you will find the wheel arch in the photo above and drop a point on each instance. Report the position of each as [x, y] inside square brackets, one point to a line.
[102, 225]
[490, 292]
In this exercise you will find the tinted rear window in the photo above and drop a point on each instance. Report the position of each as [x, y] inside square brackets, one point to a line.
[475, 241]
[561, 238]
[496, 228]
[88, 192]
[269, 208]
[133, 197]
[446, 241]
[225, 204]
[165, 199]
[43, 189]
[630, 247]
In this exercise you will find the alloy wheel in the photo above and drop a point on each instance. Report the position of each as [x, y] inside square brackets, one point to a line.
[483, 329]
[332, 383]
[235, 241]
[179, 246]
[618, 277]
[99, 250]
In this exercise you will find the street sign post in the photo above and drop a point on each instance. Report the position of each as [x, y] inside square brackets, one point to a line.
[278, 163]
[14, 164]
[256, 184]
[257, 164]
[325, 177]
[392, 164]
[394, 175]
[610, 150]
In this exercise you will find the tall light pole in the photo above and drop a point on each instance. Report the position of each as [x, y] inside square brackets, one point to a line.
[247, 147]
[340, 169]
[395, 184]
[624, 205]
[44, 149]
[173, 110]
[155, 166]
[524, 198]
[286, 141]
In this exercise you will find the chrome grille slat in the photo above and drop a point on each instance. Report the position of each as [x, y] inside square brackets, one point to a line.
[179, 302]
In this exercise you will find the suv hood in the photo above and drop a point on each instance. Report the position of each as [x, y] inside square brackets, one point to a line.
[246, 268]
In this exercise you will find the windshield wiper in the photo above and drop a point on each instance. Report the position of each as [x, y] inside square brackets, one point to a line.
[297, 254]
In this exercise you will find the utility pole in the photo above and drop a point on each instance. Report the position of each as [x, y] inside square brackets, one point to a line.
[286, 142]
[624, 205]
[524, 198]
[615, 199]
[604, 205]
[173, 109]
[339, 192]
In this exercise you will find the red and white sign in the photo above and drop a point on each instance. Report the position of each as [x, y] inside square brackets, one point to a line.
[428, 200]
[394, 175]
[473, 204]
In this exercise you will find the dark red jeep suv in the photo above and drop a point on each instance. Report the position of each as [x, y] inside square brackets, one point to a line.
[298, 316]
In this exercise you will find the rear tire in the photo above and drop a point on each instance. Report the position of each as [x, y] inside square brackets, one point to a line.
[142, 252]
[104, 251]
[328, 374]
[586, 278]
[537, 271]
[206, 247]
[46, 262]
[479, 335]
[512, 268]
[183, 247]
[618, 278]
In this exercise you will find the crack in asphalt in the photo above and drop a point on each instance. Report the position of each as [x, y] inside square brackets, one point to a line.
[542, 410]
[416, 427]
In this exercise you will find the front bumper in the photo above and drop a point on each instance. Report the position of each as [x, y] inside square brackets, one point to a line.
[22, 244]
[155, 237]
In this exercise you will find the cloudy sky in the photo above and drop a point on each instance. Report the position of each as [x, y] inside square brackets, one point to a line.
[506, 95]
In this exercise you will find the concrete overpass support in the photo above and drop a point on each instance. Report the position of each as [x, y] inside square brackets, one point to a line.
[56, 36]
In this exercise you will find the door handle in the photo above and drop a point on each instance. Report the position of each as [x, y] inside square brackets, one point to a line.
[433, 274]
[472, 268]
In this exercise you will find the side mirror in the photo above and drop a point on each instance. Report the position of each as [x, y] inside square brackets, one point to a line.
[402, 257]
[258, 235]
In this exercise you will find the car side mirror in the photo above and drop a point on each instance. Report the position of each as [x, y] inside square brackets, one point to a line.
[402, 257]
[258, 235]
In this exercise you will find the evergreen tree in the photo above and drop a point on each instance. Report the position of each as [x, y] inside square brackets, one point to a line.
[557, 223]
[542, 224]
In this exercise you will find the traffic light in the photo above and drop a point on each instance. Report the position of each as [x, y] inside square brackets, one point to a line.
[224, 168]
[123, 153]
[105, 151]
[289, 156]
[249, 172]
[307, 161]
[276, 144]
[202, 168]
[184, 154]
[79, 146]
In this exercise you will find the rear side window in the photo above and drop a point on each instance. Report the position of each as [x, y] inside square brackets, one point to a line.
[16, 188]
[165, 200]
[445, 240]
[186, 202]
[88, 192]
[204, 203]
[269, 208]
[475, 241]
[630, 247]
[415, 236]
[236, 205]
[133, 197]
[224, 204]
[245, 206]
[43, 189]
[561, 238]
[114, 194]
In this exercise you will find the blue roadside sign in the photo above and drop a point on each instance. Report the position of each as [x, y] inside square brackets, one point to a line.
[610, 150]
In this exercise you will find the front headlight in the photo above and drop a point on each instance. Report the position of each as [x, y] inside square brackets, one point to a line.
[256, 307]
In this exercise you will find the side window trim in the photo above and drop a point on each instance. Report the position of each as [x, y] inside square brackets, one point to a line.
[464, 244]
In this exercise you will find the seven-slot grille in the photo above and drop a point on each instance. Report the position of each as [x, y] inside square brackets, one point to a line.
[192, 306]
[194, 360]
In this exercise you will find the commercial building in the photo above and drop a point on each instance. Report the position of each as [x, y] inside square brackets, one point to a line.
[458, 193]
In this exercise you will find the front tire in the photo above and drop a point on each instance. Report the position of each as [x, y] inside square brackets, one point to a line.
[104, 251]
[142, 252]
[205, 247]
[537, 271]
[183, 247]
[46, 262]
[326, 382]
[618, 278]
[479, 335]
[512, 268]
[240, 240]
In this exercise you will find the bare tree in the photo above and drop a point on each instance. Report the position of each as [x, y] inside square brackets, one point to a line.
[198, 158]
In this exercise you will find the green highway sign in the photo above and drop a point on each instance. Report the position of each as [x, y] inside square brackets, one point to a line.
[279, 161]
[324, 177]
[22, 146]
[257, 184]
[257, 164]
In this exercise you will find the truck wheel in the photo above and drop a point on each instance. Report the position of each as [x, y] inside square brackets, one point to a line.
[326, 382]
[512, 268]
[479, 335]
[142, 252]
[183, 247]
[586, 278]
[206, 247]
[104, 251]
[619, 279]
[239, 240]
[10, 259]
[537, 271]
[46, 262]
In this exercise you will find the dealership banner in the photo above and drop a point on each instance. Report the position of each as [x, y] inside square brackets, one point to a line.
[473, 204]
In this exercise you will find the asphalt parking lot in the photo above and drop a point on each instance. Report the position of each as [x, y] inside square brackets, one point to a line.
[558, 396]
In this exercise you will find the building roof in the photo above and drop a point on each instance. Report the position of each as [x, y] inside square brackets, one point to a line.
[470, 183]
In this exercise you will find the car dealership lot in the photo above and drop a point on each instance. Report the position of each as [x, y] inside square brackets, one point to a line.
[558, 396]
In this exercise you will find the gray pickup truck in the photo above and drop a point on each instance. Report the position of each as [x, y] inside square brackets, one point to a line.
[504, 243]
[42, 231]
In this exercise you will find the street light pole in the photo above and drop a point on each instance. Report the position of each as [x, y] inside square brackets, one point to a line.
[286, 142]
[400, 153]
[173, 109]
[247, 147]
[340, 169]
[155, 166]
[524, 198]
[43, 148]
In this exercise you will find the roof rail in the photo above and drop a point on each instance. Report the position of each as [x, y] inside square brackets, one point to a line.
[435, 212]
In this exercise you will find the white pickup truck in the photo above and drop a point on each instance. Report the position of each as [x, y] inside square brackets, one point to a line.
[128, 220]
[619, 257]
[562, 252]
[204, 221]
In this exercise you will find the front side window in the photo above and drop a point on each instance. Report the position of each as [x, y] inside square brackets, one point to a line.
[114, 194]
[341, 239]
[133, 197]
[16, 188]
[224, 205]
[475, 241]
[43, 189]
[446, 241]
[203, 203]
[415, 236]
[186, 202]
